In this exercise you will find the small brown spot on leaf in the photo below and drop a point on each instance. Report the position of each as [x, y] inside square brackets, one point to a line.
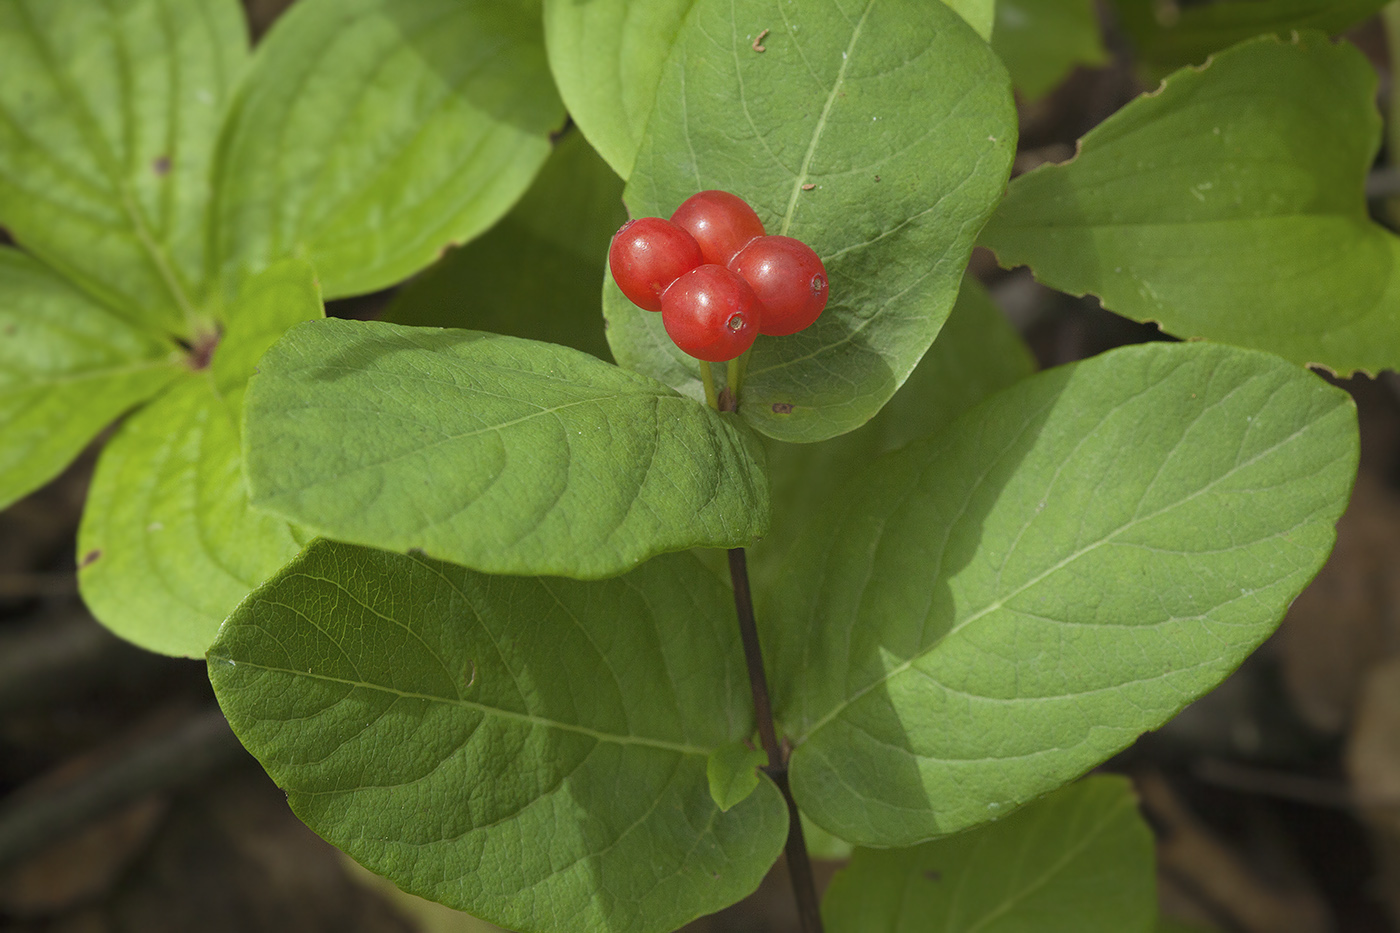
[877, 177]
[932, 875]
[90, 558]
[758, 39]
[808, 187]
[782, 408]
[161, 166]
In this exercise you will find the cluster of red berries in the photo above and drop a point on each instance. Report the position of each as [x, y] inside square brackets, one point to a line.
[717, 280]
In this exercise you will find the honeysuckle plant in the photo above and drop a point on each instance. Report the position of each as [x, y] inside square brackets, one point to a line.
[456, 572]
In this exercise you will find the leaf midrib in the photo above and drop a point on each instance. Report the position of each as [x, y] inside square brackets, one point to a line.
[121, 194]
[484, 709]
[802, 173]
[1066, 856]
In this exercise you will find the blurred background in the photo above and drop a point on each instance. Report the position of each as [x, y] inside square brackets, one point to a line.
[126, 804]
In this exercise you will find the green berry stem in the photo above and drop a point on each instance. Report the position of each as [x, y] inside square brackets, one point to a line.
[708, 377]
[734, 374]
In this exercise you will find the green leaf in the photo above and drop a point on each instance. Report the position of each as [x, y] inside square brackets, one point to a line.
[530, 750]
[1041, 41]
[505, 455]
[1245, 225]
[607, 57]
[270, 305]
[901, 119]
[1078, 861]
[1168, 36]
[989, 612]
[108, 117]
[980, 14]
[732, 772]
[536, 274]
[373, 133]
[977, 353]
[168, 544]
[68, 368]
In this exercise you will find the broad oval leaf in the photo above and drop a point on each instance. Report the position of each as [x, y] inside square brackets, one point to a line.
[530, 750]
[536, 274]
[68, 368]
[607, 57]
[371, 134]
[501, 454]
[994, 610]
[881, 135]
[109, 113]
[1169, 37]
[168, 544]
[1041, 41]
[1245, 225]
[1078, 861]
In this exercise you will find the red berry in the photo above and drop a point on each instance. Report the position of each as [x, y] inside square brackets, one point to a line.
[711, 313]
[789, 280]
[647, 255]
[722, 223]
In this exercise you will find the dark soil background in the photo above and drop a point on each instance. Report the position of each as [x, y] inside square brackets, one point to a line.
[126, 804]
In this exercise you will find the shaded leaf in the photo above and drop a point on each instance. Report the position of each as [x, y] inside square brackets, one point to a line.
[1078, 861]
[537, 273]
[607, 57]
[977, 353]
[529, 750]
[506, 455]
[68, 368]
[899, 118]
[993, 610]
[1168, 37]
[168, 544]
[1041, 41]
[1245, 225]
[109, 114]
[372, 134]
[732, 772]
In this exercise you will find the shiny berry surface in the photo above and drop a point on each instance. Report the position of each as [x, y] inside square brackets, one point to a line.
[647, 255]
[711, 313]
[789, 280]
[722, 223]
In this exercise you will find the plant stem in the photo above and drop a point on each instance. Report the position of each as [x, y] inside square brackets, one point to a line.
[708, 377]
[804, 887]
[734, 374]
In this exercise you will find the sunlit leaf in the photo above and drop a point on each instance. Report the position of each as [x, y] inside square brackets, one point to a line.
[109, 113]
[501, 454]
[372, 134]
[68, 368]
[1241, 224]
